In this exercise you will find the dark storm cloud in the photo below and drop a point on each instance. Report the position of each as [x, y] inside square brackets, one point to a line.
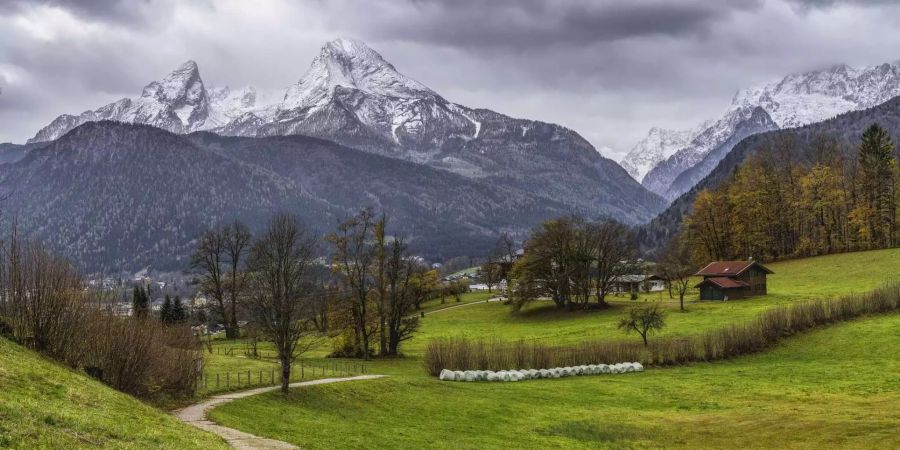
[520, 25]
[608, 69]
[113, 11]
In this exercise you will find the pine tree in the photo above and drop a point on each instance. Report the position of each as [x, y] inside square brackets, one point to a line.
[165, 313]
[139, 302]
[876, 185]
[179, 314]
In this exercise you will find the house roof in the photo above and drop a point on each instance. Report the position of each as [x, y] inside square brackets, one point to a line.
[723, 282]
[729, 268]
[635, 278]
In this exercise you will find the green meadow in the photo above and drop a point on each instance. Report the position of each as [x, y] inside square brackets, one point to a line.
[836, 386]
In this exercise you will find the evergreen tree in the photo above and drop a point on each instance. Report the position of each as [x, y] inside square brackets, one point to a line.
[877, 170]
[179, 314]
[165, 313]
[139, 302]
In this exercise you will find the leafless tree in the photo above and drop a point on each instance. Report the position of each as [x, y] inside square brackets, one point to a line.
[280, 279]
[675, 266]
[353, 259]
[42, 300]
[615, 251]
[236, 244]
[208, 260]
[401, 291]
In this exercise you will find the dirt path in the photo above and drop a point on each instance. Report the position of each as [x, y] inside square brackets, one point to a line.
[196, 415]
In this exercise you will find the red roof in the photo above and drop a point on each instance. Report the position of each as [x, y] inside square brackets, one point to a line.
[724, 282]
[729, 268]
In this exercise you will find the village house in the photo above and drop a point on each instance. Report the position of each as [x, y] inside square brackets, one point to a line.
[638, 283]
[729, 280]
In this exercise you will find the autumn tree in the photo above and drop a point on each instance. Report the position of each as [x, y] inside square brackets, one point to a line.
[352, 260]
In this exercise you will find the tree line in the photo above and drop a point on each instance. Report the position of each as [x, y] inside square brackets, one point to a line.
[775, 206]
[358, 285]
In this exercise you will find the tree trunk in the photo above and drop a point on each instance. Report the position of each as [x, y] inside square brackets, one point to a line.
[285, 376]
[644, 337]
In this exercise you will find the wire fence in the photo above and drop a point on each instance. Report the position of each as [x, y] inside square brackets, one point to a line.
[302, 370]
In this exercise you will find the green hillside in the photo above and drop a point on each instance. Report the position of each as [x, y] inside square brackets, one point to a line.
[44, 405]
[835, 387]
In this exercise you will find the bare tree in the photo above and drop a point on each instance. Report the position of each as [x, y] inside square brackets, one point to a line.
[209, 260]
[490, 273]
[236, 244]
[280, 284]
[402, 291]
[676, 268]
[615, 250]
[643, 321]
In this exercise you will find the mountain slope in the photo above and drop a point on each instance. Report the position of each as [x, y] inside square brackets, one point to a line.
[112, 195]
[351, 95]
[45, 405]
[796, 100]
[846, 129]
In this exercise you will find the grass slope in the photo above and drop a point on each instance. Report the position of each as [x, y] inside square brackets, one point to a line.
[816, 391]
[44, 405]
[834, 387]
[795, 280]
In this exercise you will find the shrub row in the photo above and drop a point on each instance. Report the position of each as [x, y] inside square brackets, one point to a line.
[729, 341]
[44, 306]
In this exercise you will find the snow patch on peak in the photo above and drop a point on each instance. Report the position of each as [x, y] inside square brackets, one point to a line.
[659, 144]
[350, 64]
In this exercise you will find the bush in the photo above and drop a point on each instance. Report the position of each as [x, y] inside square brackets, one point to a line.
[726, 342]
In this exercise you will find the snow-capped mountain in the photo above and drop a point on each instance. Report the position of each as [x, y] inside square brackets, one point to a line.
[352, 96]
[179, 103]
[659, 144]
[798, 99]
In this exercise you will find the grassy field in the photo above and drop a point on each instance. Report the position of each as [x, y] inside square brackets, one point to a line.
[816, 391]
[834, 387]
[44, 405]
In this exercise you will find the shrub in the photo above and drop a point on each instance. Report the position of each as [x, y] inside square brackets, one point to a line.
[726, 342]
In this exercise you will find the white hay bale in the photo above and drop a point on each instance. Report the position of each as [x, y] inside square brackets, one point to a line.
[638, 367]
[524, 375]
[447, 375]
[460, 375]
[544, 373]
[555, 373]
[532, 373]
[492, 376]
[470, 375]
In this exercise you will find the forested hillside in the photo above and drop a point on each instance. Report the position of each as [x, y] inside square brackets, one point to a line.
[786, 157]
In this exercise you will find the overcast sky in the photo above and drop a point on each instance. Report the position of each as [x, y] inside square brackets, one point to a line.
[608, 69]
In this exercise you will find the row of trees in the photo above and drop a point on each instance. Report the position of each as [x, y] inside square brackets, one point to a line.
[366, 293]
[775, 206]
[572, 261]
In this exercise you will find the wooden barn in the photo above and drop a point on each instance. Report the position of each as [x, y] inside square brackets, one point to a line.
[729, 280]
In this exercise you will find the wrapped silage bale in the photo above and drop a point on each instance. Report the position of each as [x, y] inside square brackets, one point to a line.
[504, 375]
[532, 373]
[492, 376]
[638, 367]
[544, 373]
[629, 367]
[525, 375]
[470, 375]
[555, 373]
[447, 375]
[460, 375]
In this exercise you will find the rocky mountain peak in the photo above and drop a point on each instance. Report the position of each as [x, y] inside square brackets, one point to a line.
[350, 64]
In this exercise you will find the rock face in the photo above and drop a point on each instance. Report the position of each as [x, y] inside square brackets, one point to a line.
[352, 96]
[659, 144]
[796, 100]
